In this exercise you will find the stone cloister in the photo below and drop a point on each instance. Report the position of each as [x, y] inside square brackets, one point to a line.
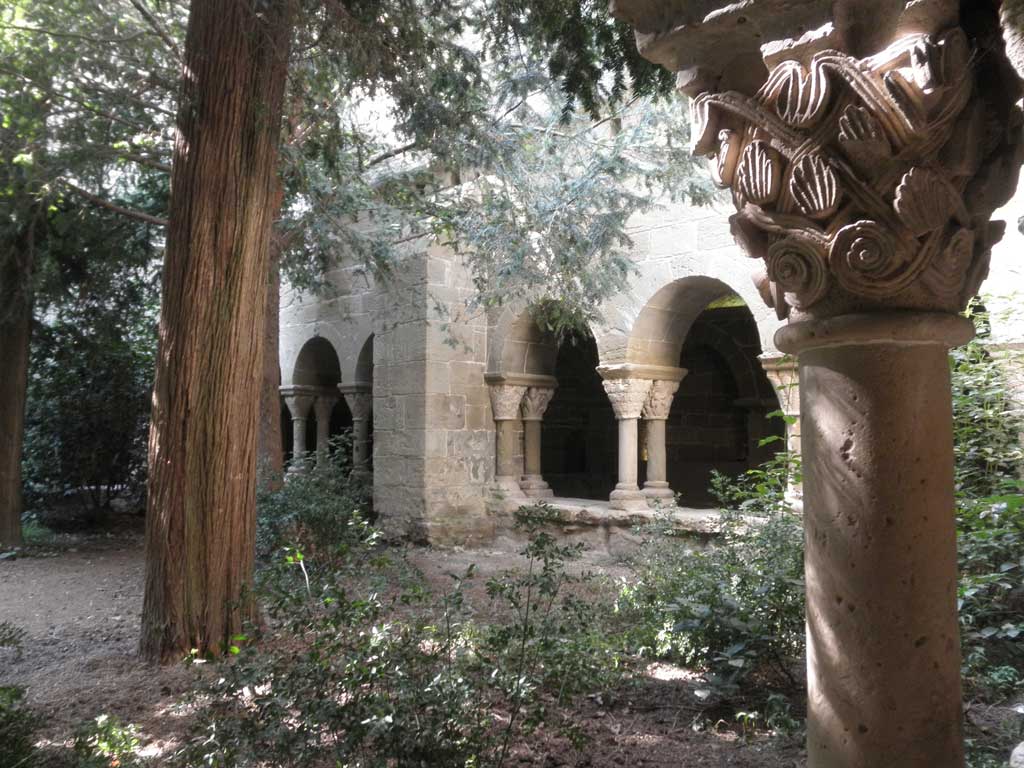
[865, 146]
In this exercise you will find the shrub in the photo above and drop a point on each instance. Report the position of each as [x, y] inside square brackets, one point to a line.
[991, 593]
[986, 426]
[90, 369]
[355, 668]
[734, 609]
[107, 743]
[17, 726]
[320, 512]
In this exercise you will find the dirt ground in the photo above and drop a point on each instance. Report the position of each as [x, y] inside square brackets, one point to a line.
[80, 608]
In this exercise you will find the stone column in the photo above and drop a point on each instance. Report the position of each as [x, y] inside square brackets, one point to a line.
[883, 644]
[655, 413]
[322, 406]
[534, 404]
[360, 403]
[628, 397]
[784, 375]
[505, 404]
[864, 172]
[298, 401]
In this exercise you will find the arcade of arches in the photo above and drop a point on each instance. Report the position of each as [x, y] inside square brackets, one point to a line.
[318, 407]
[691, 398]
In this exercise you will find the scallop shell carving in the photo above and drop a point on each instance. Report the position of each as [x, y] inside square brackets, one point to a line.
[723, 167]
[814, 187]
[797, 268]
[924, 201]
[802, 96]
[759, 174]
[862, 139]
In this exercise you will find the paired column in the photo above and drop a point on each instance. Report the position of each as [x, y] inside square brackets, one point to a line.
[628, 397]
[298, 400]
[655, 414]
[506, 400]
[359, 399]
[534, 404]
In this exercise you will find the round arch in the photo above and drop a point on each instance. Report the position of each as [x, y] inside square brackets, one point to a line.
[317, 364]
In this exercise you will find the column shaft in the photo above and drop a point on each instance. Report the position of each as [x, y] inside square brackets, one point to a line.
[627, 455]
[360, 444]
[509, 458]
[656, 485]
[531, 442]
[299, 438]
[535, 403]
[883, 648]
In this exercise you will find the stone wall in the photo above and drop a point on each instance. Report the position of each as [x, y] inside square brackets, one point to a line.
[457, 411]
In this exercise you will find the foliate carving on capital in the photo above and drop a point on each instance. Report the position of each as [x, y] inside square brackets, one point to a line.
[865, 182]
[659, 400]
[505, 400]
[535, 402]
[628, 396]
[360, 404]
[323, 405]
[298, 405]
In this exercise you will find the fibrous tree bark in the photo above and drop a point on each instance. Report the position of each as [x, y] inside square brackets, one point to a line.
[200, 528]
[15, 333]
[270, 452]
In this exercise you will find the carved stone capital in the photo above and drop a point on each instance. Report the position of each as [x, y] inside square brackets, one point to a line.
[505, 400]
[323, 405]
[659, 400]
[299, 399]
[866, 166]
[535, 402]
[628, 396]
[360, 404]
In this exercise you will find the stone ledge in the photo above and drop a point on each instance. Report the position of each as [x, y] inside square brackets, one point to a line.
[579, 513]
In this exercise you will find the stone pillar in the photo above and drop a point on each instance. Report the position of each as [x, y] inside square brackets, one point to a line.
[505, 407]
[655, 413]
[298, 401]
[864, 172]
[883, 643]
[784, 375]
[628, 397]
[322, 406]
[534, 404]
[360, 402]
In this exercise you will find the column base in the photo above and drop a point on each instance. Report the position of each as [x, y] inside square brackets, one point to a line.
[535, 487]
[627, 499]
[657, 491]
[507, 488]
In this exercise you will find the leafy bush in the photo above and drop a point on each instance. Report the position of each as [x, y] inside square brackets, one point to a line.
[320, 512]
[17, 726]
[734, 609]
[991, 593]
[107, 743]
[91, 364]
[986, 426]
[357, 668]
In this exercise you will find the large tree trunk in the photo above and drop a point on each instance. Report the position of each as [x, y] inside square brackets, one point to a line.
[15, 332]
[200, 526]
[270, 451]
